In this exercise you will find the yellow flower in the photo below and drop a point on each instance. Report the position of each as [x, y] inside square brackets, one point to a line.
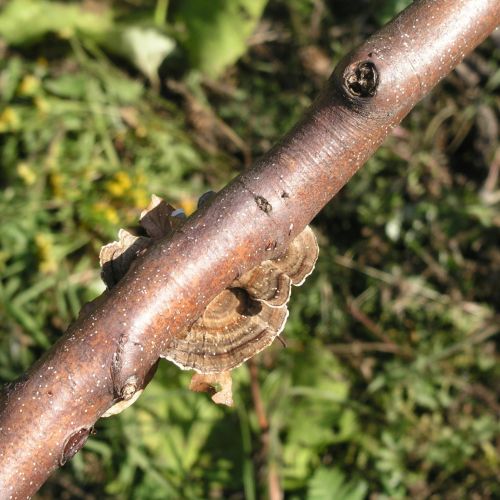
[41, 104]
[9, 119]
[29, 85]
[47, 263]
[120, 185]
[106, 212]
[56, 183]
[140, 197]
[26, 173]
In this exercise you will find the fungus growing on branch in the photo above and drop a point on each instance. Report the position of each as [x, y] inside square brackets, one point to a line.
[239, 322]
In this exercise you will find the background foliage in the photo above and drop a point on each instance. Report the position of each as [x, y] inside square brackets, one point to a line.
[388, 385]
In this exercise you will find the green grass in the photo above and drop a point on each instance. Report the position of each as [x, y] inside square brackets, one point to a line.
[387, 386]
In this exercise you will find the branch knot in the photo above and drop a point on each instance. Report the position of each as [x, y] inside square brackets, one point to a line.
[361, 79]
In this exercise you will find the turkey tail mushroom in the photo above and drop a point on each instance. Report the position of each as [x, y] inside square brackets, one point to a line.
[239, 322]
[233, 328]
[245, 318]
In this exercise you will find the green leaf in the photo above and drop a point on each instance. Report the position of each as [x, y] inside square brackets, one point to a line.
[145, 47]
[72, 86]
[25, 21]
[331, 484]
[216, 31]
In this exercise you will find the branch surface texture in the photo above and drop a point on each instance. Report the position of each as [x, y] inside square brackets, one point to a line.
[110, 351]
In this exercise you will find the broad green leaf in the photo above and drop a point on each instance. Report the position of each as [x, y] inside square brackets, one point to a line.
[145, 47]
[216, 31]
[25, 21]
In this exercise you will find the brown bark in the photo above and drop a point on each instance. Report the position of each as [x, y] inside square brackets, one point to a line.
[109, 352]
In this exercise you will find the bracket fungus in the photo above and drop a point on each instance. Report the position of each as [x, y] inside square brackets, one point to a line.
[239, 322]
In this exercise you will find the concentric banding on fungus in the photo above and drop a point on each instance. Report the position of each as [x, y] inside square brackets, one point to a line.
[233, 328]
[271, 281]
[239, 322]
[246, 318]
[300, 257]
[266, 282]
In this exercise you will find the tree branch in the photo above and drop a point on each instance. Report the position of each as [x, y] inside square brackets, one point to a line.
[110, 352]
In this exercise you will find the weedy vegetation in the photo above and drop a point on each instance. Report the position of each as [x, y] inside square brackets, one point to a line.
[388, 385]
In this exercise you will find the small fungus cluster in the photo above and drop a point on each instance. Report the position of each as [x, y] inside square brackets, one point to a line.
[240, 321]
